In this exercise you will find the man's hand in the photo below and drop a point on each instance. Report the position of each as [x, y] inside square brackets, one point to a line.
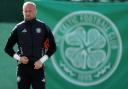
[38, 64]
[24, 60]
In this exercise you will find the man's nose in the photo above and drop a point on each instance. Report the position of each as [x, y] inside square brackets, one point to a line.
[27, 13]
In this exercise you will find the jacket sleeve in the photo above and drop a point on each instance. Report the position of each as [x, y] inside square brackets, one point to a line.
[49, 42]
[11, 42]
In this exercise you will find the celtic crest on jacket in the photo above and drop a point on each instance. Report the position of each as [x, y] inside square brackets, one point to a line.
[89, 48]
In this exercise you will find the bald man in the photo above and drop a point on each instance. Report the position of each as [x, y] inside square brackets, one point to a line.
[35, 43]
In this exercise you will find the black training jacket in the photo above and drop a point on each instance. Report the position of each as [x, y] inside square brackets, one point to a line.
[32, 38]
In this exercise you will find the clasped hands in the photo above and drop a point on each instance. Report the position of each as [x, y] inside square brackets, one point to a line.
[37, 65]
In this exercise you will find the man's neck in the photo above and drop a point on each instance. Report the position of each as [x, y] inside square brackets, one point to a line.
[30, 21]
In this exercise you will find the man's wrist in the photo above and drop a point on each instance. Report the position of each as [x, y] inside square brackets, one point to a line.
[44, 58]
[16, 56]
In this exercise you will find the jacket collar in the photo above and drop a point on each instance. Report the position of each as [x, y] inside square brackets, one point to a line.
[30, 21]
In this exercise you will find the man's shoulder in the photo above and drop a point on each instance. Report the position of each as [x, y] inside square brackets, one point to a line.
[40, 22]
[18, 25]
[21, 23]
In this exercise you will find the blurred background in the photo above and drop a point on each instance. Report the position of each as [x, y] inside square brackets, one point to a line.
[51, 12]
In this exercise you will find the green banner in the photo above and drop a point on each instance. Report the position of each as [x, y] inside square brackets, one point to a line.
[92, 45]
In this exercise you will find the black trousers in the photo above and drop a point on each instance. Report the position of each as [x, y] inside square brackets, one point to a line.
[27, 75]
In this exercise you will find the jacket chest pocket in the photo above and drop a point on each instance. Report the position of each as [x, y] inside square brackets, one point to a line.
[38, 37]
[24, 37]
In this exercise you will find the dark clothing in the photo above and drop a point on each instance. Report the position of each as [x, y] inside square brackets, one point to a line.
[30, 37]
[34, 39]
[26, 75]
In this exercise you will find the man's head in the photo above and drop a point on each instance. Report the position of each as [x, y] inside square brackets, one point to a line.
[29, 11]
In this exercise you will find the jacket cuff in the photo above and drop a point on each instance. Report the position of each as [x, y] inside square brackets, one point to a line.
[16, 56]
[44, 58]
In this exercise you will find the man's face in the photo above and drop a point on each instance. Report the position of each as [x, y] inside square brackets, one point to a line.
[29, 12]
